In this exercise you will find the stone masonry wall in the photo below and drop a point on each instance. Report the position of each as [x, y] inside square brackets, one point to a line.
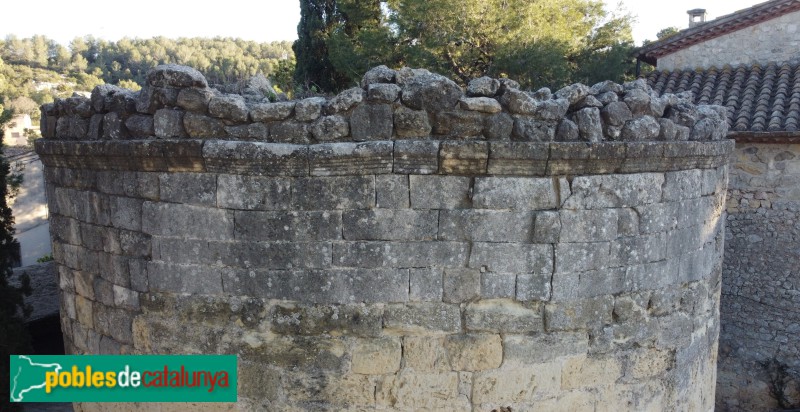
[352, 264]
[761, 289]
[775, 40]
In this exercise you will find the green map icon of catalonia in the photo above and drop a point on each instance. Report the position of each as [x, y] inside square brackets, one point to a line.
[28, 376]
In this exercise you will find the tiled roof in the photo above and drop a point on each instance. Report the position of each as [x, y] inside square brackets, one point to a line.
[763, 101]
[720, 26]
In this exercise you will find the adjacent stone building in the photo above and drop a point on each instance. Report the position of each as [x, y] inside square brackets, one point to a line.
[748, 62]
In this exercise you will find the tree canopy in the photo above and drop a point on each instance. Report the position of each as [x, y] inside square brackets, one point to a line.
[537, 42]
[40, 69]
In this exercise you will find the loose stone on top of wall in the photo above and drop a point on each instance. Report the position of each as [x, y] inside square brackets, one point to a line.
[401, 246]
[391, 104]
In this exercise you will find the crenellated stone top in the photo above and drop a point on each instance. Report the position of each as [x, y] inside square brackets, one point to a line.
[405, 104]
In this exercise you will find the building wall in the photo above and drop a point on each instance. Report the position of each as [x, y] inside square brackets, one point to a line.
[15, 132]
[482, 262]
[761, 280]
[773, 40]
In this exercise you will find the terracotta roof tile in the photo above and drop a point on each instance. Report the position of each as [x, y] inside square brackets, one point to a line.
[759, 98]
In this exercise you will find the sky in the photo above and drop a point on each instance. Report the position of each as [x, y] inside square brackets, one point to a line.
[264, 20]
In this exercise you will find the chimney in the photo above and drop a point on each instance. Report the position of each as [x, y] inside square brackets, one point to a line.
[696, 17]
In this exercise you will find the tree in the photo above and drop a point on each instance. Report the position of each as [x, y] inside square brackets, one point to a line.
[314, 67]
[13, 335]
[539, 42]
[667, 32]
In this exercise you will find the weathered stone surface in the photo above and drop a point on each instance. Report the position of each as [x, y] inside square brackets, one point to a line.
[480, 104]
[114, 129]
[383, 93]
[391, 191]
[253, 192]
[498, 285]
[140, 126]
[189, 188]
[531, 130]
[167, 123]
[569, 275]
[342, 286]
[514, 193]
[641, 128]
[616, 114]
[638, 101]
[400, 254]
[425, 285]
[422, 317]
[254, 131]
[461, 285]
[308, 109]
[344, 101]
[439, 192]
[503, 316]
[573, 93]
[379, 74]
[376, 356]
[102, 96]
[411, 123]
[474, 352]
[607, 191]
[172, 220]
[513, 258]
[543, 347]
[229, 107]
[458, 124]
[386, 224]
[150, 99]
[483, 86]
[289, 132]
[423, 90]
[485, 225]
[516, 385]
[266, 112]
[194, 99]
[330, 128]
[419, 157]
[589, 124]
[356, 320]
[325, 193]
[463, 157]
[350, 158]
[176, 76]
[202, 126]
[560, 316]
[567, 131]
[371, 122]
[498, 126]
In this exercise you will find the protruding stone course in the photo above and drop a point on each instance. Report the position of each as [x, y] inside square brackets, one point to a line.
[401, 246]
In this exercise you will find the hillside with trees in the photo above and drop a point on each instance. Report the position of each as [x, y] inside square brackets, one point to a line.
[35, 70]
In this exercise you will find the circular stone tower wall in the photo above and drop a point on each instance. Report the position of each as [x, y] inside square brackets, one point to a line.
[395, 247]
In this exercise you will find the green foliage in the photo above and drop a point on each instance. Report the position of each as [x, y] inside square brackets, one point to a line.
[45, 258]
[314, 67]
[539, 43]
[13, 335]
[129, 84]
[30, 136]
[41, 69]
[667, 32]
